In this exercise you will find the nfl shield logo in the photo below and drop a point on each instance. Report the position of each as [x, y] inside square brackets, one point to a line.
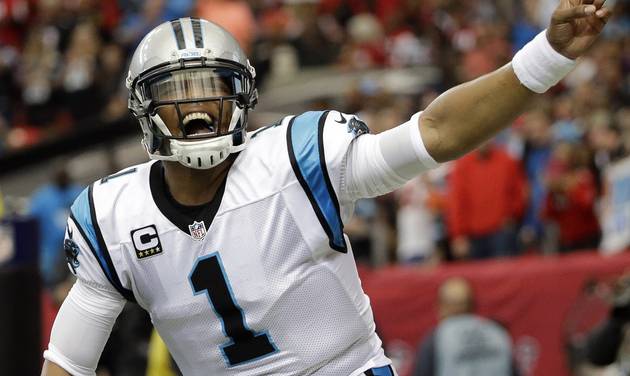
[197, 230]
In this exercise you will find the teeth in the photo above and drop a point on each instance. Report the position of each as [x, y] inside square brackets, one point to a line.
[197, 115]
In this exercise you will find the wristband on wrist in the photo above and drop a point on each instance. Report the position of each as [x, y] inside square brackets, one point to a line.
[538, 66]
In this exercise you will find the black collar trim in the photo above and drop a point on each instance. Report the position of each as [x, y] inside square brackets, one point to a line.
[180, 215]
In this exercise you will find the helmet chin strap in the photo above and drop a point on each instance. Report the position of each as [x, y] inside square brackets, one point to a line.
[203, 154]
[199, 154]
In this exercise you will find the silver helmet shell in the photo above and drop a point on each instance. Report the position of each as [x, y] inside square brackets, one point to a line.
[190, 44]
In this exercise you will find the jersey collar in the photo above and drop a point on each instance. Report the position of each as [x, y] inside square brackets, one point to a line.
[186, 218]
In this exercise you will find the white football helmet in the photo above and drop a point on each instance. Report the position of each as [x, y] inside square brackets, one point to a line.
[193, 75]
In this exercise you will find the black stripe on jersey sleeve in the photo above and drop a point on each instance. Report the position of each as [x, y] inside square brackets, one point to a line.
[87, 241]
[126, 293]
[324, 167]
[94, 253]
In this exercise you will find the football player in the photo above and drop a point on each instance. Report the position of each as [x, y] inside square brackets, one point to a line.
[233, 241]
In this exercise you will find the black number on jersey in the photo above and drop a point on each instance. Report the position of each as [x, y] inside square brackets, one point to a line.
[245, 345]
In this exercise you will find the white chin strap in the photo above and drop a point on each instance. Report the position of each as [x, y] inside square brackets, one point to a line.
[202, 154]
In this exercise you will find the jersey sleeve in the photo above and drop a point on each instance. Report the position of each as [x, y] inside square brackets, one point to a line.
[337, 161]
[318, 142]
[86, 253]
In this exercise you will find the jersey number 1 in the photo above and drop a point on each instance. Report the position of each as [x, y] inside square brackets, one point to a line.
[208, 277]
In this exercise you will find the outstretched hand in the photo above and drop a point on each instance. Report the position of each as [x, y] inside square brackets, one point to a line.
[576, 24]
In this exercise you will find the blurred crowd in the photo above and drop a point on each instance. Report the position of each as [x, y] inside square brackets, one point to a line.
[537, 186]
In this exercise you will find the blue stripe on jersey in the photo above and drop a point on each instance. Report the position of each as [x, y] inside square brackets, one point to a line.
[306, 152]
[82, 212]
[382, 371]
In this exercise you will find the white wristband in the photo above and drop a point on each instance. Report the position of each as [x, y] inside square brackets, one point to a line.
[538, 66]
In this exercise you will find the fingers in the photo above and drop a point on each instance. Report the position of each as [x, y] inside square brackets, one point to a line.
[604, 14]
[598, 21]
[568, 14]
[596, 24]
[598, 3]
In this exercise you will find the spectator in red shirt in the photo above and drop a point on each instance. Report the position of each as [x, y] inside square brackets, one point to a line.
[487, 196]
[570, 201]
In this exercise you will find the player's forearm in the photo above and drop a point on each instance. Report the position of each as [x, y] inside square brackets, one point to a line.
[51, 369]
[471, 113]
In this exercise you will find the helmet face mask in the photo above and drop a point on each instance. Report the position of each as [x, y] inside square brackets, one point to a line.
[193, 107]
[195, 103]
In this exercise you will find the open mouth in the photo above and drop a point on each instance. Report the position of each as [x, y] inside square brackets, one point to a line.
[199, 123]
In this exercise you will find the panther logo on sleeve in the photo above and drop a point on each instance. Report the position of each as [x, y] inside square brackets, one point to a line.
[72, 253]
[357, 126]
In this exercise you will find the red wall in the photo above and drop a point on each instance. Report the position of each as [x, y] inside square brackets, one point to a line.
[539, 299]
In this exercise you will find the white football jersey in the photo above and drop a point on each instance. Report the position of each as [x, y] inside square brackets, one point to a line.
[262, 280]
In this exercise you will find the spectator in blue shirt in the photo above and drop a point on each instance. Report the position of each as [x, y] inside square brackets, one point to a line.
[50, 205]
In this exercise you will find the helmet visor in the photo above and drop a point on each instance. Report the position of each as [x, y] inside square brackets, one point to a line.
[193, 84]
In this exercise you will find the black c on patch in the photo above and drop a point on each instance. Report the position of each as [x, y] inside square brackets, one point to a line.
[146, 241]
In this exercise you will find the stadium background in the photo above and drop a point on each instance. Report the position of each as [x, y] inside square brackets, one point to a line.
[63, 119]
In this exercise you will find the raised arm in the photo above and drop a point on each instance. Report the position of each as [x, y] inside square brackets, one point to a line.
[471, 113]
